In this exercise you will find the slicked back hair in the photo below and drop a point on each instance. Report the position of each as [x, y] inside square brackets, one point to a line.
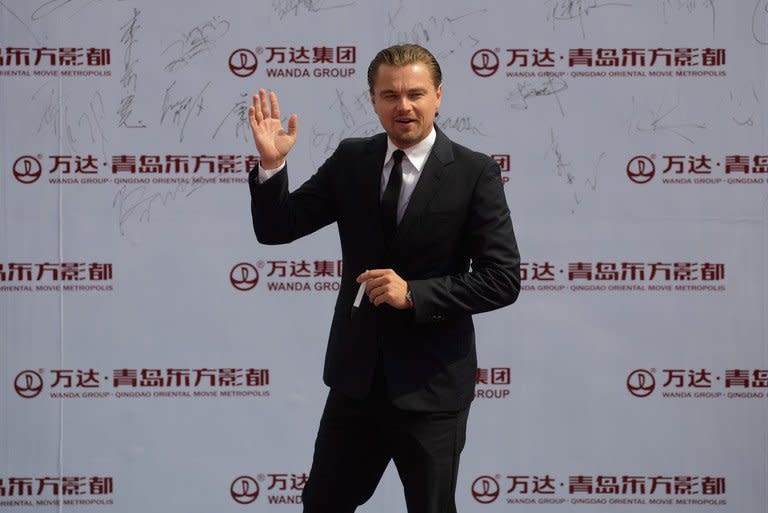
[402, 55]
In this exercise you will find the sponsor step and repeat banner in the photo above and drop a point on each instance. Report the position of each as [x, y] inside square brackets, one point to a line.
[155, 357]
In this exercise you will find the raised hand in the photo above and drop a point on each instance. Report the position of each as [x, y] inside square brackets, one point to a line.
[272, 141]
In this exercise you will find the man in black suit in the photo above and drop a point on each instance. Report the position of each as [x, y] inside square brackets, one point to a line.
[413, 210]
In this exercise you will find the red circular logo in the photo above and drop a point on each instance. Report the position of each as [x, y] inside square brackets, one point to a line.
[243, 62]
[27, 169]
[641, 169]
[485, 489]
[244, 276]
[485, 63]
[244, 490]
[641, 383]
[28, 384]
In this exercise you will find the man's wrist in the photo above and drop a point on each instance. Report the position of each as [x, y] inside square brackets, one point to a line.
[270, 166]
[409, 298]
[265, 172]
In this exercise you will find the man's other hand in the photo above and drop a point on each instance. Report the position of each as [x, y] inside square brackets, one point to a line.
[385, 286]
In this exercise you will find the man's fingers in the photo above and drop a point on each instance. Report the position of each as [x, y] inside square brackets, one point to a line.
[293, 125]
[274, 105]
[380, 300]
[384, 286]
[264, 104]
[377, 293]
[252, 118]
[256, 109]
[375, 283]
[373, 273]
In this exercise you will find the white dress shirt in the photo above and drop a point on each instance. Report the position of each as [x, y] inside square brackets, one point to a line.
[413, 164]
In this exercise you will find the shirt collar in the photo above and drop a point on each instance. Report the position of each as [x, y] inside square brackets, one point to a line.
[417, 154]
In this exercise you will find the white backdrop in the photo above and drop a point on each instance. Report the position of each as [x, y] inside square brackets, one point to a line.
[155, 357]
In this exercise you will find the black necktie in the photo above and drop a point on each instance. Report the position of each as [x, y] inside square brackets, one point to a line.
[390, 197]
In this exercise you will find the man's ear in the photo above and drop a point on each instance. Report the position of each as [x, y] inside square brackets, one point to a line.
[373, 103]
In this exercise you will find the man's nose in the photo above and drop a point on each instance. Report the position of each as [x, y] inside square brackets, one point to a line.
[404, 104]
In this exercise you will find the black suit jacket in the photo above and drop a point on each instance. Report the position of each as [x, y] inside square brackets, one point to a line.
[457, 215]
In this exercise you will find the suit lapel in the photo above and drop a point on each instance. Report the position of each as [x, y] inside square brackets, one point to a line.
[369, 172]
[428, 184]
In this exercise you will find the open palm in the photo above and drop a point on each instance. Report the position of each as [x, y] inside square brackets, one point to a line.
[272, 141]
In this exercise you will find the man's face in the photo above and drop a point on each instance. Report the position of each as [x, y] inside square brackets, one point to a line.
[406, 101]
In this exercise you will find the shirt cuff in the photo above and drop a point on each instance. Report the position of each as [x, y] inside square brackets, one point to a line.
[266, 174]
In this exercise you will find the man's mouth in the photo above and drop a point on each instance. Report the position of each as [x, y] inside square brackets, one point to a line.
[405, 122]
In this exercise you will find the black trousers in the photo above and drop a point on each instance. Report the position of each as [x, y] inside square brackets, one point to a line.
[358, 438]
